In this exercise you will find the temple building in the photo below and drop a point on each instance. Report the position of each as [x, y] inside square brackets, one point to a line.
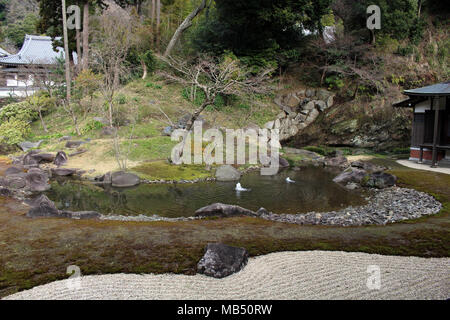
[430, 140]
[19, 72]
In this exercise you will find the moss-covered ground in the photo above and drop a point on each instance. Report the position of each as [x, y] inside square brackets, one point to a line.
[34, 252]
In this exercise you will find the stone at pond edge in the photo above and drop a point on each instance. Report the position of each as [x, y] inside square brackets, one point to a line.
[351, 175]
[227, 173]
[43, 207]
[61, 158]
[63, 172]
[124, 179]
[13, 170]
[223, 210]
[380, 180]
[220, 260]
[37, 180]
[80, 215]
[283, 163]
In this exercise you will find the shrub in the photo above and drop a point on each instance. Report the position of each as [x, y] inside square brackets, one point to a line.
[19, 111]
[14, 131]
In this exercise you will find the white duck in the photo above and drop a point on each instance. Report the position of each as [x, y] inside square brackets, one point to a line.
[288, 180]
[239, 188]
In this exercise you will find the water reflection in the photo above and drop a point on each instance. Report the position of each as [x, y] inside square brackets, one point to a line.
[313, 190]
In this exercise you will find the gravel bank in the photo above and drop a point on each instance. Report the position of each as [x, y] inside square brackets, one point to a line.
[283, 275]
[386, 206]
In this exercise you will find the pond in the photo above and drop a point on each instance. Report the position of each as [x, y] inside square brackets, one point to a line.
[313, 190]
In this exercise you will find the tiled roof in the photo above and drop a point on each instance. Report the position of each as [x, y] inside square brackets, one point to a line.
[439, 89]
[3, 53]
[35, 50]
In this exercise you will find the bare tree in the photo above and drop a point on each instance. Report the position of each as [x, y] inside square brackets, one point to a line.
[112, 43]
[110, 48]
[215, 77]
[183, 27]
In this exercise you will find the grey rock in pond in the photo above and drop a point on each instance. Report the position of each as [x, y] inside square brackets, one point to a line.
[37, 180]
[27, 145]
[60, 158]
[63, 172]
[74, 144]
[80, 215]
[227, 173]
[13, 170]
[220, 260]
[380, 180]
[43, 207]
[223, 210]
[351, 175]
[124, 179]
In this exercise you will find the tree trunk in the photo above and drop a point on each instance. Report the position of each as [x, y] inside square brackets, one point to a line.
[42, 121]
[183, 26]
[153, 21]
[66, 52]
[158, 22]
[191, 121]
[85, 63]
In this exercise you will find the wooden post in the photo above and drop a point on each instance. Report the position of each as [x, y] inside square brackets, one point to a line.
[66, 51]
[435, 103]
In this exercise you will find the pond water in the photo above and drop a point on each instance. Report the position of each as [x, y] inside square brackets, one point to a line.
[313, 190]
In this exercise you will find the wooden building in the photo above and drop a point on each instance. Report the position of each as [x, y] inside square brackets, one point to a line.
[430, 140]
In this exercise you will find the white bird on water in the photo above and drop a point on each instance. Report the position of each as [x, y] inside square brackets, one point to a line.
[288, 180]
[239, 188]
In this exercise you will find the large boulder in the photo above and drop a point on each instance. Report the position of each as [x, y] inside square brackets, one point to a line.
[223, 210]
[37, 180]
[124, 179]
[351, 175]
[221, 260]
[227, 173]
[29, 159]
[43, 207]
[60, 158]
[43, 157]
[15, 181]
[380, 180]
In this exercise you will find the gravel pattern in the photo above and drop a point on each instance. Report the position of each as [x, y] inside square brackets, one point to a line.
[283, 275]
[385, 206]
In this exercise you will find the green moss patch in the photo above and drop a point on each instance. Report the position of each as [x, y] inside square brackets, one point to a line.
[163, 170]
